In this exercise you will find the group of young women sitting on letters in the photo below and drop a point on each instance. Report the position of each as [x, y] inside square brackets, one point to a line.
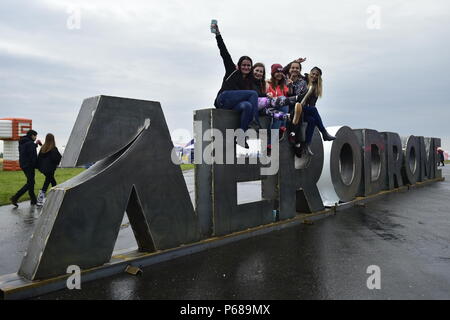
[288, 97]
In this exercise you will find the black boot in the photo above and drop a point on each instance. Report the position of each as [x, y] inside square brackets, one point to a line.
[308, 151]
[298, 150]
[255, 126]
[327, 137]
[292, 100]
[14, 202]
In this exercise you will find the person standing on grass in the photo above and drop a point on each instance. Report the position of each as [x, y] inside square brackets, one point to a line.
[48, 159]
[27, 161]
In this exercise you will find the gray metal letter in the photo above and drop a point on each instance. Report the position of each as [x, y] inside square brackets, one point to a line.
[295, 185]
[394, 160]
[81, 219]
[341, 175]
[216, 184]
[427, 158]
[411, 162]
[374, 161]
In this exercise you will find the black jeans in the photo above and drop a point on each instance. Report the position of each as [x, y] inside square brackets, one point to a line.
[312, 117]
[49, 178]
[29, 186]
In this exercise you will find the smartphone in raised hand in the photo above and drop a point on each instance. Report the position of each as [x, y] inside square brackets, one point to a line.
[213, 26]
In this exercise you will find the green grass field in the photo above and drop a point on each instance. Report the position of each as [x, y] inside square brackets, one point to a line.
[11, 181]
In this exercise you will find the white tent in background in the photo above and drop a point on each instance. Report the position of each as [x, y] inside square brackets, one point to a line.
[187, 152]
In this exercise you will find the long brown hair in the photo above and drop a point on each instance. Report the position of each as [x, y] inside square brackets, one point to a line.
[288, 67]
[274, 82]
[261, 83]
[247, 81]
[49, 143]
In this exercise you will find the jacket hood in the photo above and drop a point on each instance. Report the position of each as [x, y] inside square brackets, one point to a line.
[25, 139]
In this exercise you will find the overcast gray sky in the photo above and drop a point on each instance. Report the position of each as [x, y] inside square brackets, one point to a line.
[386, 63]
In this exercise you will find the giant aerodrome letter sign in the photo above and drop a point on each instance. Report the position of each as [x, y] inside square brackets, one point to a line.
[134, 173]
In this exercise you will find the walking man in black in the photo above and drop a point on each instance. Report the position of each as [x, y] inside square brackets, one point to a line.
[27, 161]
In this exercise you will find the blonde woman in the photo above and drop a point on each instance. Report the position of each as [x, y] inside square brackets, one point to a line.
[310, 113]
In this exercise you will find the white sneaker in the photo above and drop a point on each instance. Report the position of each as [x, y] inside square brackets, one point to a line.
[40, 199]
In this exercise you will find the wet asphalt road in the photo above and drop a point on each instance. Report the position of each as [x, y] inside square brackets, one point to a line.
[406, 234]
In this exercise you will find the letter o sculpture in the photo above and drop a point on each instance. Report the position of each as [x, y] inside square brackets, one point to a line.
[341, 175]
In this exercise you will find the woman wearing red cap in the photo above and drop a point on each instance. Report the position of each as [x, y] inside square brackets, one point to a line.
[268, 104]
[277, 88]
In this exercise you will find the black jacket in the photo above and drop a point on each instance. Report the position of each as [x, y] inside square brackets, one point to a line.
[47, 162]
[27, 153]
[233, 79]
[261, 87]
[312, 99]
